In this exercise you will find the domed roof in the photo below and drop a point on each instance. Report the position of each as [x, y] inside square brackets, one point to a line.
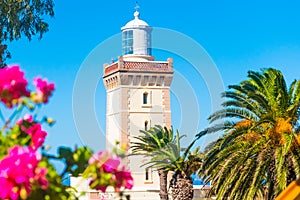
[136, 22]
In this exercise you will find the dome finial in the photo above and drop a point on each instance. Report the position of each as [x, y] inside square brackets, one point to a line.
[136, 13]
[136, 6]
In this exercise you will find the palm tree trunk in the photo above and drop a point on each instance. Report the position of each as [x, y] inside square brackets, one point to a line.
[291, 173]
[163, 176]
[181, 187]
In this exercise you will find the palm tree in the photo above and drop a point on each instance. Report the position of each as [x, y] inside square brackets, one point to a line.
[181, 184]
[171, 158]
[259, 154]
[147, 144]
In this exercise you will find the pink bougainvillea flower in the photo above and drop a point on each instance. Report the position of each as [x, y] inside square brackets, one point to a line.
[33, 129]
[26, 118]
[100, 155]
[6, 189]
[37, 135]
[111, 164]
[43, 90]
[102, 188]
[40, 177]
[111, 172]
[127, 178]
[18, 171]
[12, 85]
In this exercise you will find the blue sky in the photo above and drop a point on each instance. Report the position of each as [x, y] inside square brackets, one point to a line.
[238, 35]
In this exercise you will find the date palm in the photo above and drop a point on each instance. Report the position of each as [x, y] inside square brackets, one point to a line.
[182, 164]
[259, 153]
[147, 144]
[181, 184]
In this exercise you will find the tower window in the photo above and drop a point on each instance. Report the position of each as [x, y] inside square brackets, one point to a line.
[127, 42]
[146, 125]
[148, 38]
[149, 51]
[148, 175]
[145, 98]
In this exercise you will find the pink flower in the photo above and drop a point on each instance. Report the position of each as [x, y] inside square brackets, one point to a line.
[6, 190]
[33, 129]
[102, 188]
[43, 90]
[96, 157]
[18, 171]
[125, 179]
[37, 135]
[126, 176]
[111, 164]
[12, 85]
[111, 172]
[27, 118]
[40, 177]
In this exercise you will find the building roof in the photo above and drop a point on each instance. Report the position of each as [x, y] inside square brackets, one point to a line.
[136, 22]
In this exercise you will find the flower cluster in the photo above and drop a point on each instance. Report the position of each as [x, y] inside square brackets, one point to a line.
[37, 135]
[12, 85]
[23, 170]
[43, 90]
[109, 171]
[19, 167]
[33, 129]
[19, 170]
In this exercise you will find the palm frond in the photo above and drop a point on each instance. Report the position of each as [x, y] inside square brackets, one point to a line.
[259, 153]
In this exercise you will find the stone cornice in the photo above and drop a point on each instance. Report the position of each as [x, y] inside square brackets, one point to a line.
[138, 73]
[138, 66]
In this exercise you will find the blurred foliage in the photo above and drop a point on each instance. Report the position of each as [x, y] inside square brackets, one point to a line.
[20, 18]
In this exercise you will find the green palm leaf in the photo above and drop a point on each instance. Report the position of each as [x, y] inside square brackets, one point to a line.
[258, 156]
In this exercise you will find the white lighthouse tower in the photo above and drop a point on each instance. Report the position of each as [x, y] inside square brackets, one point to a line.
[138, 97]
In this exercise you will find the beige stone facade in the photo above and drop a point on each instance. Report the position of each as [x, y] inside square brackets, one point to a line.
[138, 97]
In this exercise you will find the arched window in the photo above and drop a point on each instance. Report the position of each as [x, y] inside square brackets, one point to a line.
[145, 97]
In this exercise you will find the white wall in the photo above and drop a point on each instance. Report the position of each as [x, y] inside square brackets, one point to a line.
[113, 117]
[140, 42]
[126, 113]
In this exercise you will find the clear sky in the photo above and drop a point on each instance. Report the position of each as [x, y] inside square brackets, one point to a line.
[237, 35]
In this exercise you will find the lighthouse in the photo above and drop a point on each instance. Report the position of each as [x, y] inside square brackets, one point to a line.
[137, 97]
